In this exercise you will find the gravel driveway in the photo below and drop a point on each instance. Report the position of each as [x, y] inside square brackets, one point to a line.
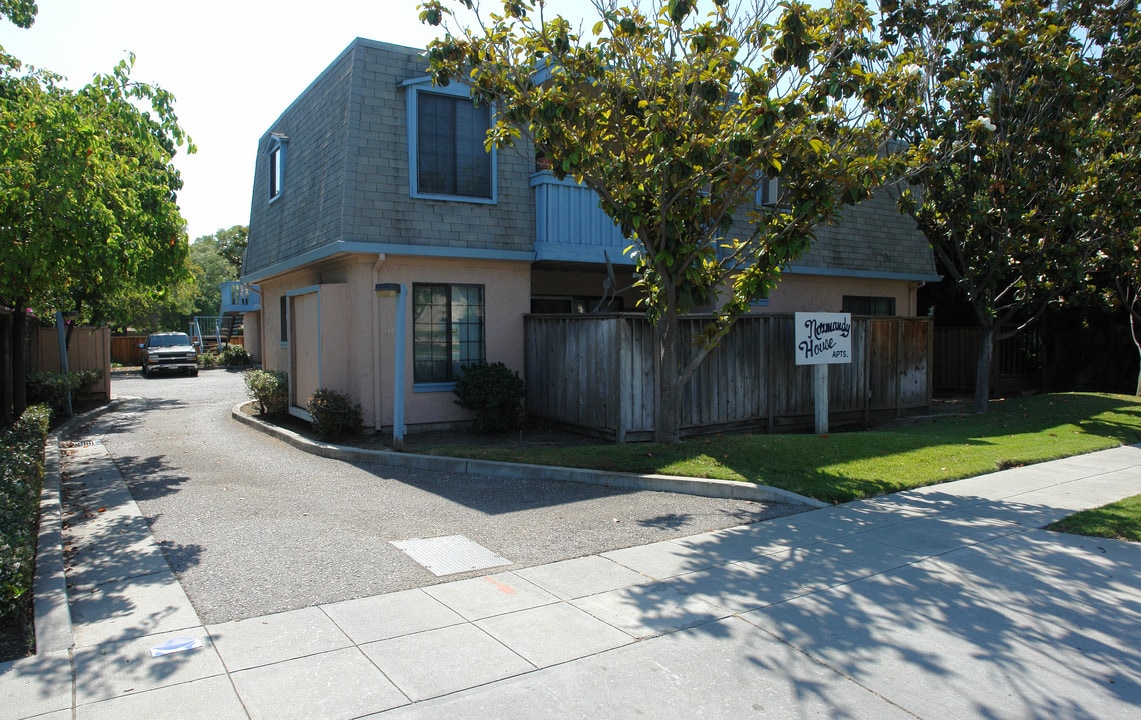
[252, 526]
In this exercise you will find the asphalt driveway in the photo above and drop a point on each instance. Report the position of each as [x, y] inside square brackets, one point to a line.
[252, 526]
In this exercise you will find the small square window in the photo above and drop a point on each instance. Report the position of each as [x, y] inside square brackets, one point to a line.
[773, 193]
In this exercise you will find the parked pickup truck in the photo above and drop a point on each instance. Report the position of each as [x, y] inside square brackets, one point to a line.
[170, 352]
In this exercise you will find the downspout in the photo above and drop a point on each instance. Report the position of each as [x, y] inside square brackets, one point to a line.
[376, 394]
[398, 373]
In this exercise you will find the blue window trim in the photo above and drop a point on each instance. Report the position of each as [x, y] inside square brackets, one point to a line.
[414, 88]
[278, 145]
[435, 387]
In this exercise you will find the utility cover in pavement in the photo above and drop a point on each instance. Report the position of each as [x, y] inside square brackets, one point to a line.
[450, 554]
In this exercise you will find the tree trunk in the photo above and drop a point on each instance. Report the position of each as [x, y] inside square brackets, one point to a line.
[1137, 344]
[667, 416]
[983, 370]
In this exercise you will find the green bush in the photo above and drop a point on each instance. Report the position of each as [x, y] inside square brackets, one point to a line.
[494, 392]
[334, 414]
[51, 388]
[21, 481]
[226, 355]
[234, 355]
[270, 388]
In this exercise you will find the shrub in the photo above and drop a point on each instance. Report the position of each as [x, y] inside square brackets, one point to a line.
[51, 388]
[334, 413]
[494, 392]
[270, 388]
[234, 355]
[226, 355]
[21, 480]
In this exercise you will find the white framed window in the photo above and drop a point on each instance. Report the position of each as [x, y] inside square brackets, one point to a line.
[446, 135]
[276, 161]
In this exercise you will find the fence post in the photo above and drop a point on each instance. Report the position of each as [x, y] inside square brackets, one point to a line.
[622, 379]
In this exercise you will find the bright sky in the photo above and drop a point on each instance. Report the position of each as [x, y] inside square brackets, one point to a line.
[232, 65]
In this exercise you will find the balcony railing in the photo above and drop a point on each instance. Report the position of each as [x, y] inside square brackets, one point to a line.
[239, 297]
[569, 225]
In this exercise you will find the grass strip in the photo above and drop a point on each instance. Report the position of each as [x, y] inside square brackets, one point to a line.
[845, 466]
[1120, 520]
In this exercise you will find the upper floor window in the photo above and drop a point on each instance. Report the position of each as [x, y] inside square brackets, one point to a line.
[772, 193]
[276, 156]
[446, 136]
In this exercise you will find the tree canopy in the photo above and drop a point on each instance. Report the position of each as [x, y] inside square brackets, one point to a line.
[675, 118]
[88, 207]
[87, 190]
[1009, 141]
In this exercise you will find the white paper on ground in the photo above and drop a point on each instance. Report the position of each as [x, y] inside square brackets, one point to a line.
[177, 644]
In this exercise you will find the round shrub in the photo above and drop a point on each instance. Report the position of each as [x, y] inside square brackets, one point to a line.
[494, 392]
[234, 355]
[270, 388]
[334, 414]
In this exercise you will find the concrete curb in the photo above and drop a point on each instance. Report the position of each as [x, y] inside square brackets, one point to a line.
[725, 489]
[49, 584]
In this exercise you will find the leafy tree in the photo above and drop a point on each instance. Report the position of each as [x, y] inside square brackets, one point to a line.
[232, 245]
[88, 209]
[211, 268]
[1115, 211]
[1005, 138]
[139, 310]
[674, 118]
[21, 13]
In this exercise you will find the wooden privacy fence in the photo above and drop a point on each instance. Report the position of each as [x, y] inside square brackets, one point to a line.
[89, 349]
[597, 373]
[1016, 367]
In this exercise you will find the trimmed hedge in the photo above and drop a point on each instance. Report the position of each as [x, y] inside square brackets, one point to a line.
[21, 481]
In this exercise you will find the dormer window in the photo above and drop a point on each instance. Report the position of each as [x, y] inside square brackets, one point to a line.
[276, 155]
[446, 136]
[772, 193]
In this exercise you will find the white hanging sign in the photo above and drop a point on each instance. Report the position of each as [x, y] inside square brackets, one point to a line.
[823, 338]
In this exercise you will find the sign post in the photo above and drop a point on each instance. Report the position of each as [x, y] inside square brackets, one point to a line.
[822, 339]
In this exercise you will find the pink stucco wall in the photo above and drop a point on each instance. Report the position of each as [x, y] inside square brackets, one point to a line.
[358, 333]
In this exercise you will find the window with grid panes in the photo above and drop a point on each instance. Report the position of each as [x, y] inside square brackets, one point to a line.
[447, 330]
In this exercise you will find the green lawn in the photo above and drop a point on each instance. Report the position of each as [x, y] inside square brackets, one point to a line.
[845, 466]
[1120, 520]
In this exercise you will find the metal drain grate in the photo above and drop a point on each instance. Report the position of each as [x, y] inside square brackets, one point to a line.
[450, 554]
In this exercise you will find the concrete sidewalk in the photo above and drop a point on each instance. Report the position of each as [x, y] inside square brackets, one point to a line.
[940, 602]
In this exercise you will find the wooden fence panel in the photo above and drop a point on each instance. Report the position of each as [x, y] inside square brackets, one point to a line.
[914, 371]
[597, 372]
[882, 354]
[89, 349]
[1016, 365]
